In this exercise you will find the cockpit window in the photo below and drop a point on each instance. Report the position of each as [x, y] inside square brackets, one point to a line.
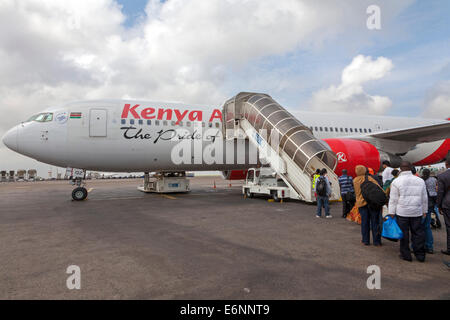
[42, 117]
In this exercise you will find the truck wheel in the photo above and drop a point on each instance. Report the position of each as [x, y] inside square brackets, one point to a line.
[248, 194]
[79, 194]
[275, 196]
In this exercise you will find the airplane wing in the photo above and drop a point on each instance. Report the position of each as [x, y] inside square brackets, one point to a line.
[420, 134]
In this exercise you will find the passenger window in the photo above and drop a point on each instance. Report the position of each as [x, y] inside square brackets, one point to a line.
[217, 125]
[210, 124]
[141, 122]
[326, 129]
[316, 128]
[351, 130]
[336, 129]
[331, 129]
[165, 123]
[370, 130]
[320, 128]
[173, 123]
[342, 130]
[123, 121]
[188, 123]
[203, 124]
[365, 130]
[180, 123]
[346, 129]
[149, 122]
[360, 130]
[132, 121]
[156, 122]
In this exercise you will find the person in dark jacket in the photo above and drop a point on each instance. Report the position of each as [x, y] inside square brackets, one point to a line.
[443, 200]
[347, 193]
[430, 183]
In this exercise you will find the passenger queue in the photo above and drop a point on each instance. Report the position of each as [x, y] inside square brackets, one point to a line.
[400, 200]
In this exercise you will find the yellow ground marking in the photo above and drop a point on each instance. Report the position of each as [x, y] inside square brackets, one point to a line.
[90, 189]
[169, 197]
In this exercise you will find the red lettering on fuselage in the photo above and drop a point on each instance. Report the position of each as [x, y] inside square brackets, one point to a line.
[133, 112]
[167, 113]
[216, 114]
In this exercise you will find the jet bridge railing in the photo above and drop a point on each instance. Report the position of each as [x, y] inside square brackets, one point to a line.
[266, 115]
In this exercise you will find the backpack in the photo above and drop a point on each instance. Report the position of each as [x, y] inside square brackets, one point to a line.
[321, 186]
[373, 194]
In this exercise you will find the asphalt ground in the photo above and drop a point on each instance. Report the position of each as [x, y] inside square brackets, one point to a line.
[207, 244]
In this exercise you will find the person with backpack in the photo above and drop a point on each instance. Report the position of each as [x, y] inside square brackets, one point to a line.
[409, 203]
[323, 191]
[314, 179]
[347, 193]
[370, 198]
[431, 185]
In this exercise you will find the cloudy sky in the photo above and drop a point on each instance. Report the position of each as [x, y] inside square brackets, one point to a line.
[307, 54]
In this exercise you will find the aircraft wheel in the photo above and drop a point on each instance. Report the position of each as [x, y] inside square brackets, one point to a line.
[79, 194]
[248, 194]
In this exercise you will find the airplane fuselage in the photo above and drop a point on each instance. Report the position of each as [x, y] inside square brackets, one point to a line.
[136, 136]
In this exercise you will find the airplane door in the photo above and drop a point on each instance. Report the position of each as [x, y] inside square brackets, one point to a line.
[98, 120]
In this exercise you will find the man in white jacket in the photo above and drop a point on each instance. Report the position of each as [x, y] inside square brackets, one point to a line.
[409, 202]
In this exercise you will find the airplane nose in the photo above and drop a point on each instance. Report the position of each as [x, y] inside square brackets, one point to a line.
[10, 139]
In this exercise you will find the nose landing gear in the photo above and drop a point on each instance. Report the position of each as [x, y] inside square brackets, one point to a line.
[80, 193]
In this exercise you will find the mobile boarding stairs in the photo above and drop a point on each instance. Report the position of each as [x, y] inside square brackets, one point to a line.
[283, 142]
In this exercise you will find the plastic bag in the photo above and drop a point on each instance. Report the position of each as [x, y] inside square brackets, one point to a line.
[391, 230]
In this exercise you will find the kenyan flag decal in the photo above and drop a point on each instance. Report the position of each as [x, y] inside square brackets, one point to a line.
[75, 115]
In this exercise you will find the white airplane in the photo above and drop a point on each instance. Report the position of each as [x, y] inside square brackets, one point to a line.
[140, 136]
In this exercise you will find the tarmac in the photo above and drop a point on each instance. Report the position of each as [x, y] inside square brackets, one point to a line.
[206, 244]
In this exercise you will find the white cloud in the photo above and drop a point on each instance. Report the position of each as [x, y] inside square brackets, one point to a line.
[438, 103]
[185, 50]
[349, 95]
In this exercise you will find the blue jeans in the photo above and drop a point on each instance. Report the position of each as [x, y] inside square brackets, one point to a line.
[370, 219]
[436, 212]
[322, 202]
[426, 222]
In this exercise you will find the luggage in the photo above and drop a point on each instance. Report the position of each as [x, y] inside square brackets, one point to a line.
[373, 194]
[321, 187]
[391, 230]
[350, 196]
